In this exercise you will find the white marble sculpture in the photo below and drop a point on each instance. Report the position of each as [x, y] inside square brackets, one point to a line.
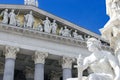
[111, 30]
[54, 27]
[47, 25]
[39, 27]
[12, 18]
[112, 7]
[29, 20]
[76, 36]
[36, 3]
[31, 2]
[102, 64]
[66, 32]
[4, 14]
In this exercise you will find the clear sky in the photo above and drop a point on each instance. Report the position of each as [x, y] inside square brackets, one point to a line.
[89, 14]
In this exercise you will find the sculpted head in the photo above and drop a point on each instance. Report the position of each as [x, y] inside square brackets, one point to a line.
[46, 18]
[93, 44]
[54, 21]
[75, 30]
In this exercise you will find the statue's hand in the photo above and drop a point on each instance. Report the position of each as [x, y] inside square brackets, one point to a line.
[80, 60]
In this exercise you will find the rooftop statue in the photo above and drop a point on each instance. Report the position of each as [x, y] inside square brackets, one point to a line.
[4, 14]
[29, 20]
[66, 32]
[102, 64]
[77, 36]
[47, 25]
[39, 27]
[31, 2]
[12, 18]
[54, 27]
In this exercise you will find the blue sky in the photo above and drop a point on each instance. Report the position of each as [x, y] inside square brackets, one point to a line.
[89, 14]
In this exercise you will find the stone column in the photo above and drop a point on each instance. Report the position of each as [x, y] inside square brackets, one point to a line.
[29, 73]
[10, 56]
[1, 70]
[39, 59]
[67, 66]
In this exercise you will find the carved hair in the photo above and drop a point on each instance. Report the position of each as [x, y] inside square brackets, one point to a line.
[95, 42]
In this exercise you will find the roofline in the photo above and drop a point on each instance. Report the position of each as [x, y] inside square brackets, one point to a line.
[12, 6]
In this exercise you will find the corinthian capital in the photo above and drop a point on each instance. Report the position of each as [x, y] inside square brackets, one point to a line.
[10, 52]
[39, 57]
[67, 62]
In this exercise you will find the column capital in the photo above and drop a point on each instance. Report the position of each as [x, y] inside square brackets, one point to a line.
[39, 57]
[67, 62]
[11, 51]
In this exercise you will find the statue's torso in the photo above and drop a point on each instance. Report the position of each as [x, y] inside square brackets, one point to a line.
[101, 66]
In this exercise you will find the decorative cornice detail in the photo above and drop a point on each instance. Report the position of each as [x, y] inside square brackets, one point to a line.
[67, 62]
[11, 51]
[40, 57]
[43, 35]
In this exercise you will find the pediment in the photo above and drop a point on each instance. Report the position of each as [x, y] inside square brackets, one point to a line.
[40, 15]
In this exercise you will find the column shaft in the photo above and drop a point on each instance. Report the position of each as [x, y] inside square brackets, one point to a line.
[39, 71]
[9, 69]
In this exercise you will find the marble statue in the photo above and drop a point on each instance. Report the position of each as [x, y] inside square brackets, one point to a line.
[39, 27]
[112, 7]
[76, 36]
[109, 70]
[102, 64]
[31, 2]
[61, 31]
[47, 25]
[36, 3]
[66, 32]
[29, 20]
[54, 27]
[25, 2]
[4, 14]
[12, 18]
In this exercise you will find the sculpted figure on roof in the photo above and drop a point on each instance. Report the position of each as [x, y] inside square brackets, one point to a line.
[12, 18]
[31, 2]
[29, 20]
[66, 32]
[47, 25]
[77, 36]
[4, 14]
[54, 27]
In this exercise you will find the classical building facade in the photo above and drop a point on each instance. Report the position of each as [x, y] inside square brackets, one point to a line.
[36, 45]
